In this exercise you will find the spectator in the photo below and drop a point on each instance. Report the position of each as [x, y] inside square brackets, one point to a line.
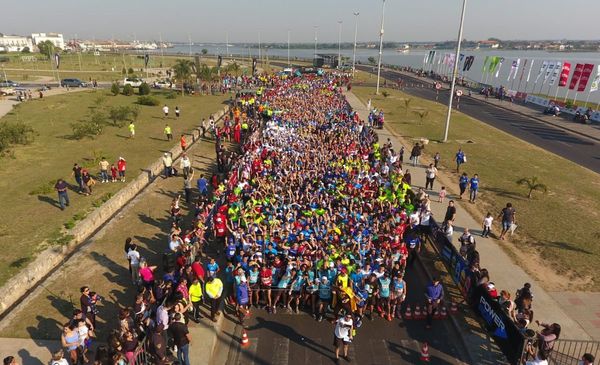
[214, 291]
[460, 159]
[508, 219]
[434, 294]
[167, 164]
[63, 196]
[587, 359]
[344, 327]
[181, 338]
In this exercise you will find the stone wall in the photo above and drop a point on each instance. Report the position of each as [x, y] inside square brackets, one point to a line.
[51, 258]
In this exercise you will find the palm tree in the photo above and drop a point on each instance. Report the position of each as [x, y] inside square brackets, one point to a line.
[532, 184]
[183, 72]
[406, 105]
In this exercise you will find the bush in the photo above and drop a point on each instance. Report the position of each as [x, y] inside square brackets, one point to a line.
[385, 94]
[130, 71]
[44, 189]
[128, 90]
[90, 127]
[115, 89]
[171, 95]
[15, 133]
[118, 115]
[25, 50]
[124, 71]
[148, 100]
[144, 89]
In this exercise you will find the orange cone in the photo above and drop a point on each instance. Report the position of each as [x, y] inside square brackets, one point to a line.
[453, 308]
[418, 312]
[245, 340]
[425, 352]
[444, 312]
[408, 313]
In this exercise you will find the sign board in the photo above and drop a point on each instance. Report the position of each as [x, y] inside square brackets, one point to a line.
[459, 93]
[438, 86]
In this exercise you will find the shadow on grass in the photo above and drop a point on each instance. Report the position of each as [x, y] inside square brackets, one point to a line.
[46, 329]
[19, 262]
[156, 222]
[49, 200]
[504, 193]
[158, 139]
[28, 359]
[562, 246]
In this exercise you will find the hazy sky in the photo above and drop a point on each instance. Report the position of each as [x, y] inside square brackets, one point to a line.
[209, 21]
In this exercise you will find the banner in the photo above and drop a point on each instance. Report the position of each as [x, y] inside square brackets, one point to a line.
[451, 60]
[549, 71]
[576, 76]
[596, 81]
[543, 69]
[146, 60]
[530, 68]
[522, 71]
[430, 57]
[514, 68]
[446, 59]
[585, 76]
[57, 60]
[564, 74]
[499, 66]
[485, 64]
[468, 63]
[555, 73]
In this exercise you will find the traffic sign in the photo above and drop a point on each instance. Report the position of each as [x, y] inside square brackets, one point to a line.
[459, 93]
[438, 86]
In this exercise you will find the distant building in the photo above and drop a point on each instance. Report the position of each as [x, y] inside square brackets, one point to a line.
[488, 44]
[14, 43]
[55, 38]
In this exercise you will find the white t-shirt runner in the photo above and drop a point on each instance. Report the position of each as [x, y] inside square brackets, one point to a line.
[342, 328]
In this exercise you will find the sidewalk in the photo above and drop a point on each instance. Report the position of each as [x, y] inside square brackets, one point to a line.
[503, 272]
[591, 131]
[8, 102]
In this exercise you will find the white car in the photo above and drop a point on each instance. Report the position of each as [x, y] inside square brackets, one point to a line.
[163, 85]
[134, 82]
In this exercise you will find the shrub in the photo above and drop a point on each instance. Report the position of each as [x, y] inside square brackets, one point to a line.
[15, 133]
[147, 100]
[144, 89]
[171, 95]
[25, 50]
[115, 89]
[128, 90]
[130, 71]
[118, 115]
[90, 127]
[124, 71]
[44, 189]
[385, 94]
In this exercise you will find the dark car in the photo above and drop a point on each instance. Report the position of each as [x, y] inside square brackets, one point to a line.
[8, 83]
[72, 83]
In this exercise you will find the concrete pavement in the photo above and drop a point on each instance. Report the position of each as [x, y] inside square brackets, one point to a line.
[503, 271]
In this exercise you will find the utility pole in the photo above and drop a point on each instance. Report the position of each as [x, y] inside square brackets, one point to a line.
[355, 34]
[340, 44]
[315, 57]
[380, 48]
[288, 55]
[455, 69]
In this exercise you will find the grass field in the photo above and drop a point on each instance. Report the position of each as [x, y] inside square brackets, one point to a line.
[31, 217]
[556, 227]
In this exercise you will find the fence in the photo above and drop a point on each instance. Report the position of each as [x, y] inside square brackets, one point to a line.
[569, 352]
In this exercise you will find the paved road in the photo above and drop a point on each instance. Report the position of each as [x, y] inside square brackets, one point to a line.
[580, 150]
[286, 338]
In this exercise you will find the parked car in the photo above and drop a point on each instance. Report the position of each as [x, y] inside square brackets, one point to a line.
[4, 91]
[133, 81]
[72, 83]
[8, 83]
[162, 84]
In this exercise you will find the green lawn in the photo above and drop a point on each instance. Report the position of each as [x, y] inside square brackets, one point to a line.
[30, 215]
[558, 226]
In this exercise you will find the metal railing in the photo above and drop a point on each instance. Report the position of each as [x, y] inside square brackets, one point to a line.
[569, 352]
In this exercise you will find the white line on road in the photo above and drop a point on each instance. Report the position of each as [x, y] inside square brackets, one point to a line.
[281, 351]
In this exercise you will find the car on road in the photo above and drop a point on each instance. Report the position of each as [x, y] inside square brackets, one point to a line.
[8, 83]
[162, 84]
[133, 81]
[4, 91]
[72, 83]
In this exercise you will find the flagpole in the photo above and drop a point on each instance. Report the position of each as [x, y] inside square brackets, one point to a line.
[567, 94]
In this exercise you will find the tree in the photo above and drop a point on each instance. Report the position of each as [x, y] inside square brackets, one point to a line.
[114, 89]
[183, 72]
[128, 90]
[233, 67]
[118, 115]
[532, 183]
[422, 114]
[26, 50]
[406, 105]
[46, 48]
[204, 51]
[371, 60]
[144, 89]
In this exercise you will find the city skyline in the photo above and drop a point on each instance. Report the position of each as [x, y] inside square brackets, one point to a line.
[412, 22]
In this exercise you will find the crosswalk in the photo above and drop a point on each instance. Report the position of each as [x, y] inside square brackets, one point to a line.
[319, 351]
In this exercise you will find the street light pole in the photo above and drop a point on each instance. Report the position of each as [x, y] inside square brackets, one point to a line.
[288, 48]
[355, 34]
[340, 44]
[315, 57]
[380, 47]
[455, 70]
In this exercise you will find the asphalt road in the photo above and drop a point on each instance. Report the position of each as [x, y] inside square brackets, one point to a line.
[580, 150]
[286, 338]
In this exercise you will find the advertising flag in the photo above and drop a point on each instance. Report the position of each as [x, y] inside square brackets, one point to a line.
[468, 63]
[57, 60]
[430, 57]
[530, 68]
[514, 68]
[493, 64]
[596, 81]
[451, 60]
[585, 76]
[146, 60]
[576, 76]
[485, 64]
[523, 70]
[549, 71]
[564, 74]
[543, 69]
[555, 73]
[499, 66]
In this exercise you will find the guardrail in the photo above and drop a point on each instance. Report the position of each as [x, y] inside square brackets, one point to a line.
[569, 352]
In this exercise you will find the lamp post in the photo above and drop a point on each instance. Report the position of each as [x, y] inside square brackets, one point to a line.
[355, 34]
[288, 55]
[315, 57]
[455, 70]
[380, 48]
[340, 44]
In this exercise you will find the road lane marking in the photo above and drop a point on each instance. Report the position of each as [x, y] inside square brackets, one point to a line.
[281, 351]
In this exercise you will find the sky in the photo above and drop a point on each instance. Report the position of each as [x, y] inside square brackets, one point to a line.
[243, 20]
